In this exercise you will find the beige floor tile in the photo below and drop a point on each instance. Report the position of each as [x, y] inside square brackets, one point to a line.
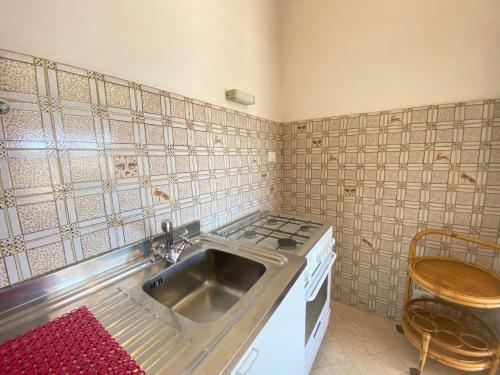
[346, 368]
[392, 363]
[373, 343]
[369, 365]
[334, 353]
[358, 342]
[391, 338]
[359, 325]
[320, 371]
[354, 347]
[338, 329]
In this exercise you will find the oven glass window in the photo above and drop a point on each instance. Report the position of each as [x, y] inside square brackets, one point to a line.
[314, 309]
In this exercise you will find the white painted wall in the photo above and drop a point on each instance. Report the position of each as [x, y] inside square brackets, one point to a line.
[341, 57]
[301, 58]
[196, 48]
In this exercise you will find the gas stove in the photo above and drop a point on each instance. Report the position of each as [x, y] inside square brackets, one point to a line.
[312, 239]
[273, 231]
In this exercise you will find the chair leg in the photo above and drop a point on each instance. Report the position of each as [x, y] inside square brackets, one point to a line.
[494, 366]
[426, 339]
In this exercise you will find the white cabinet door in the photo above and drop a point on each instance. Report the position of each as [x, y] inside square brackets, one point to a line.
[279, 347]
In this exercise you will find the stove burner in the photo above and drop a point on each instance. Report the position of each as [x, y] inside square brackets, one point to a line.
[250, 234]
[287, 243]
[272, 221]
[305, 228]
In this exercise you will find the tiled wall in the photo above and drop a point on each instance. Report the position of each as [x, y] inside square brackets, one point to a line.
[90, 162]
[381, 177]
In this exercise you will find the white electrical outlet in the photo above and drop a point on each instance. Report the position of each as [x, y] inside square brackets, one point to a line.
[271, 157]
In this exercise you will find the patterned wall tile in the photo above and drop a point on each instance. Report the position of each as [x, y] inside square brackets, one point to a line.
[125, 166]
[84, 166]
[87, 158]
[95, 243]
[122, 131]
[23, 125]
[177, 108]
[29, 169]
[89, 207]
[73, 86]
[151, 102]
[79, 129]
[134, 231]
[37, 217]
[17, 76]
[129, 199]
[117, 95]
[46, 258]
[154, 135]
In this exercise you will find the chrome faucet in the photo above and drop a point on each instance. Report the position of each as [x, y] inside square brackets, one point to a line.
[168, 229]
[168, 251]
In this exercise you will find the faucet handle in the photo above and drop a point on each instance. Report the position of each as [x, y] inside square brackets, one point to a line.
[185, 237]
[156, 254]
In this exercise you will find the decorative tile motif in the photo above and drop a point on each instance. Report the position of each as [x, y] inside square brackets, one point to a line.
[125, 166]
[73, 86]
[17, 76]
[160, 196]
[46, 258]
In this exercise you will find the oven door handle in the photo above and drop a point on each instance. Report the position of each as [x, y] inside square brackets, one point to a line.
[321, 280]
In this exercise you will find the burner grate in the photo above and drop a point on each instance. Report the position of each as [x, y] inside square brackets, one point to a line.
[257, 227]
[250, 234]
[287, 243]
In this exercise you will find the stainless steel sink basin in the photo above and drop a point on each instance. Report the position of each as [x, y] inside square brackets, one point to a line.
[204, 286]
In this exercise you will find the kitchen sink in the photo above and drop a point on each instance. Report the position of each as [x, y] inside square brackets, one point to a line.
[204, 286]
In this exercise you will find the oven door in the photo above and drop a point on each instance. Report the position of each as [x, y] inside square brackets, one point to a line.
[316, 302]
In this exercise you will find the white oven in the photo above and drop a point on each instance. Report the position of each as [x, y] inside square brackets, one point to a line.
[317, 298]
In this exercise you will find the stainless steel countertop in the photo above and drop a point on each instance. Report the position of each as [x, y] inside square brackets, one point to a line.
[158, 338]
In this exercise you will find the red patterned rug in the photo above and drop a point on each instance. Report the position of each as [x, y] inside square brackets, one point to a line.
[75, 343]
